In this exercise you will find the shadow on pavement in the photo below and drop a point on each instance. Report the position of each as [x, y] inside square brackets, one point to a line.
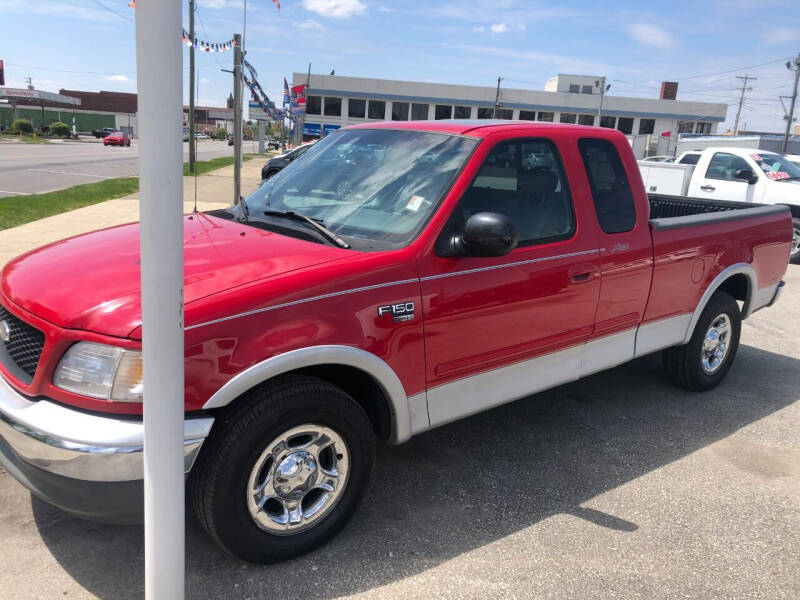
[464, 485]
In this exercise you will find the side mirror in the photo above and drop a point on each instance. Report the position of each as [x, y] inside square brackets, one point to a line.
[486, 234]
[746, 175]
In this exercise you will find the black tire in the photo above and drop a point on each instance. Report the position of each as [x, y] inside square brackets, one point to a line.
[684, 364]
[218, 481]
[794, 256]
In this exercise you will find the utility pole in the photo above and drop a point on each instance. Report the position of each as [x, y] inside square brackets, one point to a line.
[790, 117]
[29, 81]
[497, 98]
[601, 83]
[237, 117]
[192, 148]
[744, 89]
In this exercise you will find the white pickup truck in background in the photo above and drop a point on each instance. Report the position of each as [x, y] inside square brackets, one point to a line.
[734, 174]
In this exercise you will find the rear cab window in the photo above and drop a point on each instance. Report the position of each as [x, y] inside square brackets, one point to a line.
[611, 190]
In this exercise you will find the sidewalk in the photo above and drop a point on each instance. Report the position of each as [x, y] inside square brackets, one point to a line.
[214, 190]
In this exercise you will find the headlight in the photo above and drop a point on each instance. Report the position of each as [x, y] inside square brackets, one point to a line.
[101, 371]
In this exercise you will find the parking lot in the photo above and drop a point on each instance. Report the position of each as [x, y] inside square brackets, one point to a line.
[617, 486]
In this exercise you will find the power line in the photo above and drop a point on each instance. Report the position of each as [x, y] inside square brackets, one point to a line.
[108, 8]
[771, 62]
[205, 31]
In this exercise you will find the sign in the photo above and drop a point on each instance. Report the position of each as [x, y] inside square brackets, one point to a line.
[256, 113]
[7, 92]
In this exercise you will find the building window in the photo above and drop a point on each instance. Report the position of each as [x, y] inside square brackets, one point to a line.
[611, 190]
[568, 117]
[609, 122]
[647, 126]
[527, 115]
[685, 126]
[356, 108]
[443, 111]
[485, 113]
[586, 120]
[377, 109]
[399, 111]
[313, 105]
[625, 125]
[462, 112]
[586, 89]
[574, 88]
[419, 112]
[333, 107]
[504, 113]
[703, 128]
[545, 116]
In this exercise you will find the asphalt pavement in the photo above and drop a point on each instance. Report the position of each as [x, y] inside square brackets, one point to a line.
[37, 168]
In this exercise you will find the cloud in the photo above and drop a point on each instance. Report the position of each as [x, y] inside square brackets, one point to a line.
[338, 9]
[560, 63]
[479, 28]
[499, 28]
[308, 24]
[205, 80]
[66, 10]
[118, 78]
[650, 35]
[782, 35]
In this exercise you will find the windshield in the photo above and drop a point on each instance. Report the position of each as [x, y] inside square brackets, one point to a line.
[374, 187]
[776, 166]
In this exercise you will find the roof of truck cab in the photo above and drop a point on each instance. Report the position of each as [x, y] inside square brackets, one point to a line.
[473, 127]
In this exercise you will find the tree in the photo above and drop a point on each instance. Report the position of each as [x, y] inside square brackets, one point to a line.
[60, 129]
[22, 126]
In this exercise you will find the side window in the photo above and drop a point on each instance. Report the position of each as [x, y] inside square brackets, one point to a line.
[724, 166]
[611, 190]
[524, 180]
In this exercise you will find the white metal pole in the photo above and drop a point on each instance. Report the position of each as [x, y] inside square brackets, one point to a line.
[159, 77]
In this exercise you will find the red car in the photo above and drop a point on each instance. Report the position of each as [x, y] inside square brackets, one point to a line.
[117, 138]
[472, 264]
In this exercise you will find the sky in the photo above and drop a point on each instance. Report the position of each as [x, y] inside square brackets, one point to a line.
[704, 45]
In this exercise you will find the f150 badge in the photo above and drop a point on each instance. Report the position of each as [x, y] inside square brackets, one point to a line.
[404, 311]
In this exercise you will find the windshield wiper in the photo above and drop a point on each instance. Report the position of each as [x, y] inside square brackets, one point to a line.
[245, 209]
[326, 233]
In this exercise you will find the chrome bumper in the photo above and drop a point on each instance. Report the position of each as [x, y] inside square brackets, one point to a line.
[82, 446]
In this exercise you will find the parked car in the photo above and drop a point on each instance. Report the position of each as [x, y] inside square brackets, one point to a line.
[273, 144]
[275, 164]
[451, 279]
[663, 158]
[736, 174]
[102, 133]
[117, 138]
[201, 136]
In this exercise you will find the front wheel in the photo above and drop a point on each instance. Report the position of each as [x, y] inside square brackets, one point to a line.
[794, 254]
[703, 363]
[284, 471]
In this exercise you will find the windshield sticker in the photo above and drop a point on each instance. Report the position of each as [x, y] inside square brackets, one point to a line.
[415, 203]
[778, 175]
[756, 157]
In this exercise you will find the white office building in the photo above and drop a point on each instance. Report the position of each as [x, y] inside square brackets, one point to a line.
[335, 101]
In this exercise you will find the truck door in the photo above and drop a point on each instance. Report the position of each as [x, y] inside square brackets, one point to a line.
[500, 328]
[718, 181]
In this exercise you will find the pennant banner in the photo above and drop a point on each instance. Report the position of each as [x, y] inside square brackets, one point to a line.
[204, 46]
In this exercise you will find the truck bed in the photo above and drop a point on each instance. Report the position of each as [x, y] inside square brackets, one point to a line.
[670, 212]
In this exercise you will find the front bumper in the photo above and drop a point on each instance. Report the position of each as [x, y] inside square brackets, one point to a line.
[87, 464]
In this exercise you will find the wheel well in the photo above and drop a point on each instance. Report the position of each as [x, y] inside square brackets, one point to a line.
[737, 286]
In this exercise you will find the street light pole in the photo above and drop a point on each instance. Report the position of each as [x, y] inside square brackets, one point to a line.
[237, 117]
[159, 69]
[192, 149]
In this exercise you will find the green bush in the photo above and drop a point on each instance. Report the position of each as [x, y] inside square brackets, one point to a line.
[21, 126]
[219, 133]
[59, 129]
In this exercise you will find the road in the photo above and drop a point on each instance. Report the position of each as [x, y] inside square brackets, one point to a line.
[618, 486]
[37, 168]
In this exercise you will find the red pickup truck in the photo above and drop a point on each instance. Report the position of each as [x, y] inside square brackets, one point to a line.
[464, 264]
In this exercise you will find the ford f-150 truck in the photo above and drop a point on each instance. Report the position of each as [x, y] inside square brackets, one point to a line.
[731, 174]
[471, 264]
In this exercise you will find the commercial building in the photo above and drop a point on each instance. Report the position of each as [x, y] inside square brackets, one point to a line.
[335, 101]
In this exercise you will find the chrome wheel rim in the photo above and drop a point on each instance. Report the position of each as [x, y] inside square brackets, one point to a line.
[298, 479]
[716, 343]
[795, 241]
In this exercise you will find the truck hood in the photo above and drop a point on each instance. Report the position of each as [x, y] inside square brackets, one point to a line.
[91, 282]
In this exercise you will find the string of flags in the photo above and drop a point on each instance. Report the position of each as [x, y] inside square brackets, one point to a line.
[204, 46]
[260, 97]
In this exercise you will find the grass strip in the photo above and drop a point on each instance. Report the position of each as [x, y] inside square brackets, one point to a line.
[18, 210]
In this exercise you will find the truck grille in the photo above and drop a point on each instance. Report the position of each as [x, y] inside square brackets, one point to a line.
[20, 354]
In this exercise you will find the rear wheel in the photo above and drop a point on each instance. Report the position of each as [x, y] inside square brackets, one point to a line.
[794, 255]
[283, 472]
[703, 363]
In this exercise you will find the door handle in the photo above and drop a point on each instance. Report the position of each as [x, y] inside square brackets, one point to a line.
[707, 188]
[582, 273]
